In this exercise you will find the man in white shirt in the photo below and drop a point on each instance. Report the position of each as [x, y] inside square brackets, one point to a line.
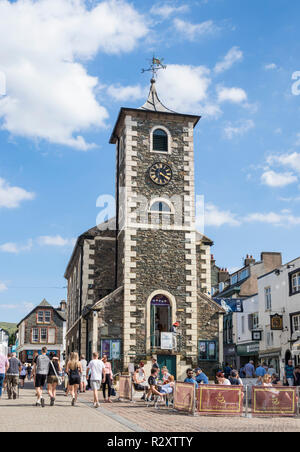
[97, 370]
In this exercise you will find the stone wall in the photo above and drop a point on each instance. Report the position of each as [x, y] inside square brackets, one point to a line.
[56, 322]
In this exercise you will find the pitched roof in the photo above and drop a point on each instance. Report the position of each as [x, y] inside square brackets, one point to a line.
[45, 303]
[153, 102]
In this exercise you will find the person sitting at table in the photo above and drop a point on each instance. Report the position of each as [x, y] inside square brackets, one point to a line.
[221, 380]
[154, 389]
[165, 374]
[138, 382]
[168, 387]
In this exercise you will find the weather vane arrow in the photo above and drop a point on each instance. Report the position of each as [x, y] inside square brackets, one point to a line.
[156, 65]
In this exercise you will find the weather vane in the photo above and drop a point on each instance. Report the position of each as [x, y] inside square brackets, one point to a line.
[155, 66]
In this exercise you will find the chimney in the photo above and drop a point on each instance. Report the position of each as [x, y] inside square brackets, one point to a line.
[63, 305]
[249, 260]
[223, 275]
[271, 261]
[213, 260]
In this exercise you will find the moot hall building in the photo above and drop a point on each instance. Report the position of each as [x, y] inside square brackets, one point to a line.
[131, 278]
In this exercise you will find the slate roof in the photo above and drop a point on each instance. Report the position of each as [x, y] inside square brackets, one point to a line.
[153, 102]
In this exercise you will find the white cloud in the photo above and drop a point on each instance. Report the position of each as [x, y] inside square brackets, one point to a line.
[239, 129]
[165, 11]
[11, 197]
[55, 241]
[273, 179]
[14, 248]
[123, 93]
[185, 89]
[3, 287]
[233, 56]
[50, 95]
[216, 217]
[235, 95]
[285, 218]
[290, 160]
[193, 31]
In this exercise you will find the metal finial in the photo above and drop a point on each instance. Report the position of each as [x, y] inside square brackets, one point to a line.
[155, 66]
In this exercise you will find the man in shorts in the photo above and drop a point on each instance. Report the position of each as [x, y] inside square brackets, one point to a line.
[97, 369]
[41, 370]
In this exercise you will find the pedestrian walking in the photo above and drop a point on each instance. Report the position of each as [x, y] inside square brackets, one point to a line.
[53, 377]
[289, 376]
[83, 379]
[12, 376]
[4, 365]
[41, 370]
[297, 376]
[23, 374]
[250, 370]
[234, 379]
[108, 379]
[97, 376]
[74, 370]
[29, 372]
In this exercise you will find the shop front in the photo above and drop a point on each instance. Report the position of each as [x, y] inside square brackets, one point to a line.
[247, 352]
[272, 358]
[230, 355]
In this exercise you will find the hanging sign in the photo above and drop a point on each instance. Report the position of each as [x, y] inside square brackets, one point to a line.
[166, 341]
[276, 322]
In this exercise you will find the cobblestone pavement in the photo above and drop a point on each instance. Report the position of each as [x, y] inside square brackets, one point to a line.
[167, 420]
[21, 415]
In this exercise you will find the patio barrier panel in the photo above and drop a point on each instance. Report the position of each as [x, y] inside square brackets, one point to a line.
[274, 401]
[220, 400]
[185, 397]
[125, 387]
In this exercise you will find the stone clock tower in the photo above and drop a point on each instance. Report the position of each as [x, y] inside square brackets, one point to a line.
[156, 235]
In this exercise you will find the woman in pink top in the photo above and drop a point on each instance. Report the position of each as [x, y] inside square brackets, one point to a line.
[108, 379]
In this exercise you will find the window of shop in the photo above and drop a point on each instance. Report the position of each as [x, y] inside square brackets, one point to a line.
[44, 335]
[208, 350]
[35, 335]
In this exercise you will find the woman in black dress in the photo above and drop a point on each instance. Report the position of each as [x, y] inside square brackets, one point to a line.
[74, 370]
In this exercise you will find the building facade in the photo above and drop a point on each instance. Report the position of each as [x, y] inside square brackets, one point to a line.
[44, 326]
[161, 267]
[242, 285]
[279, 314]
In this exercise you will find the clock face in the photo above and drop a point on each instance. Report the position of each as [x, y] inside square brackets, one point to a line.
[160, 174]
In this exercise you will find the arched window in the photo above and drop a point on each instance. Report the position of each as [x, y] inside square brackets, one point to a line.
[160, 141]
[161, 207]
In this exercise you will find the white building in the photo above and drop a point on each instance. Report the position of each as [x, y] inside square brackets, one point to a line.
[4, 337]
[247, 325]
[279, 296]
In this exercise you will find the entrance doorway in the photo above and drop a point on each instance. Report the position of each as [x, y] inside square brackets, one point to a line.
[161, 318]
[168, 361]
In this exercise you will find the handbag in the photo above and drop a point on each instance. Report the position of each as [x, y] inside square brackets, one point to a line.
[58, 378]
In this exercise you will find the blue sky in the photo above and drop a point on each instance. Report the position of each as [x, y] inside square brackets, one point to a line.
[70, 65]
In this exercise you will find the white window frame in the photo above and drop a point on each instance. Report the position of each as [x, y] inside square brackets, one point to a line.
[41, 340]
[38, 336]
[170, 141]
[294, 317]
[268, 298]
[165, 201]
[296, 279]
